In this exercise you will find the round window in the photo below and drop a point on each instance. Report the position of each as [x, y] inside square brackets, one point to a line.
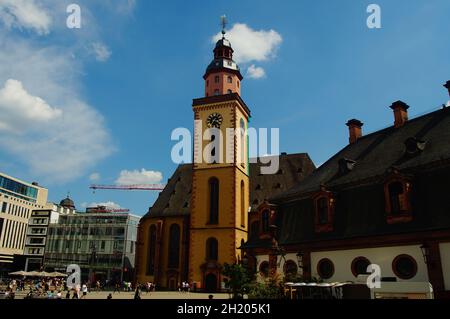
[359, 266]
[325, 268]
[404, 267]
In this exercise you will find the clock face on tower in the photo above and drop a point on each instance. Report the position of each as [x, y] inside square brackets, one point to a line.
[214, 120]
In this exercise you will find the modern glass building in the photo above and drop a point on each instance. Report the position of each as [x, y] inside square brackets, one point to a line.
[17, 200]
[102, 244]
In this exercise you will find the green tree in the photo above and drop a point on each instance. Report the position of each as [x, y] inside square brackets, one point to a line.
[238, 279]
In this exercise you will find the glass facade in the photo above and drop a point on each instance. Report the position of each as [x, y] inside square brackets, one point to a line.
[98, 243]
[18, 188]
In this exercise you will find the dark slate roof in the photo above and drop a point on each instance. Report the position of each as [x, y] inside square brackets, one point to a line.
[174, 200]
[293, 169]
[377, 152]
[359, 194]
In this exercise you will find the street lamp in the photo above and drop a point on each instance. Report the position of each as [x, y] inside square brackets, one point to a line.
[300, 259]
[278, 251]
[300, 256]
[425, 248]
[245, 261]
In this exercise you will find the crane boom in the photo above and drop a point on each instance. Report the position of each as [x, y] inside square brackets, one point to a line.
[144, 187]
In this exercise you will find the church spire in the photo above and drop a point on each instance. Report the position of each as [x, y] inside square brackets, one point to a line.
[222, 75]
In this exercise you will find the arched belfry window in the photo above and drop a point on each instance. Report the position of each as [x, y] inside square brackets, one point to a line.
[212, 249]
[242, 143]
[174, 246]
[213, 201]
[243, 210]
[151, 250]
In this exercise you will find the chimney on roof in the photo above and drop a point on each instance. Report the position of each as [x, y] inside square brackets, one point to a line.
[400, 113]
[355, 130]
[447, 86]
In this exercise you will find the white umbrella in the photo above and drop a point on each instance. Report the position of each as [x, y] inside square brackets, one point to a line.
[56, 274]
[18, 273]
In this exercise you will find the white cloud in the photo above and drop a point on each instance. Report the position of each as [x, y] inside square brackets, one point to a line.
[110, 205]
[101, 52]
[125, 6]
[139, 177]
[94, 177]
[251, 45]
[255, 72]
[25, 14]
[73, 138]
[21, 110]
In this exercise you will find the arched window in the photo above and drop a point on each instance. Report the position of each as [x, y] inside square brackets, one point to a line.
[243, 212]
[213, 200]
[212, 249]
[174, 246]
[265, 221]
[213, 150]
[242, 142]
[230, 79]
[254, 230]
[151, 250]
[229, 91]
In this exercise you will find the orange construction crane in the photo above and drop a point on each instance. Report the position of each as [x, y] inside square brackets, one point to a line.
[144, 187]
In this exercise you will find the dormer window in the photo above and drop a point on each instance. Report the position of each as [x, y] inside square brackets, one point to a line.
[414, 146]
[397, 200]
[346, 165]
[324, 212]
[265, 221]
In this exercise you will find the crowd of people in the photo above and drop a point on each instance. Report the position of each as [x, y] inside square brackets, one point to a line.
[57, 288]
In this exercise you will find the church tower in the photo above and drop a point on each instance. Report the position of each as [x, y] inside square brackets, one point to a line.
[220, 186]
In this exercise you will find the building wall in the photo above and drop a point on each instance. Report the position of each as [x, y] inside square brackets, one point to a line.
[73, 239]
[15, 210]
[383, 256]
[230, 229]
[164, 274]
[222, 86]
[445, 260]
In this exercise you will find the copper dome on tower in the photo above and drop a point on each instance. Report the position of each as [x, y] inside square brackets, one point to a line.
[67, 203]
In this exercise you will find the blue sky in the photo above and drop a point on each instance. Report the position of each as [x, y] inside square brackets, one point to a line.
[111, 93]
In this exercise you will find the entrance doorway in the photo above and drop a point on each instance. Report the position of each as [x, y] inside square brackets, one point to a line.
[211, 283]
